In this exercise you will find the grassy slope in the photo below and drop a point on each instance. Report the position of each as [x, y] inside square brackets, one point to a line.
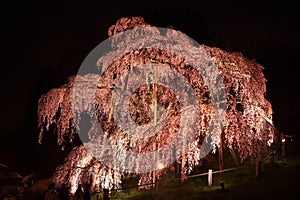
[278, 181]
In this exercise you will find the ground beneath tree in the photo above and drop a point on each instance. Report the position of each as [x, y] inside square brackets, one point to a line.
[278, 181]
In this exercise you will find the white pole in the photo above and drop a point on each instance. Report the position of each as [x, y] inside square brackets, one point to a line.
[209, 177]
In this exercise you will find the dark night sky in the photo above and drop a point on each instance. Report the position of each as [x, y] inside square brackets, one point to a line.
[44, 43]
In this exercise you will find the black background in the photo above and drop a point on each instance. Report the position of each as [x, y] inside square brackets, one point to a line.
[44, 42]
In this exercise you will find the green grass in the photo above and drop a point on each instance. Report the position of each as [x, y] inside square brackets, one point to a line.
[279, 180]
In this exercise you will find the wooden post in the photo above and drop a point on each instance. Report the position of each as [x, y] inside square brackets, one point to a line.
[220, 149]
[210, 177]
[105, 194]
[282, 145]
[258, 168]
[283, 150]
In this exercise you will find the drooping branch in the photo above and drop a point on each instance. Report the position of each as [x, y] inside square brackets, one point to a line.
[248, 126]
[82, 168]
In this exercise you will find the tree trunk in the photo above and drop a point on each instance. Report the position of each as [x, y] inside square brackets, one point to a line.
[232, 152]
[220, 149]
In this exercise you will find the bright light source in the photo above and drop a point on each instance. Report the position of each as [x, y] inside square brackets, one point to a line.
[160, 166]
[283, 140]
